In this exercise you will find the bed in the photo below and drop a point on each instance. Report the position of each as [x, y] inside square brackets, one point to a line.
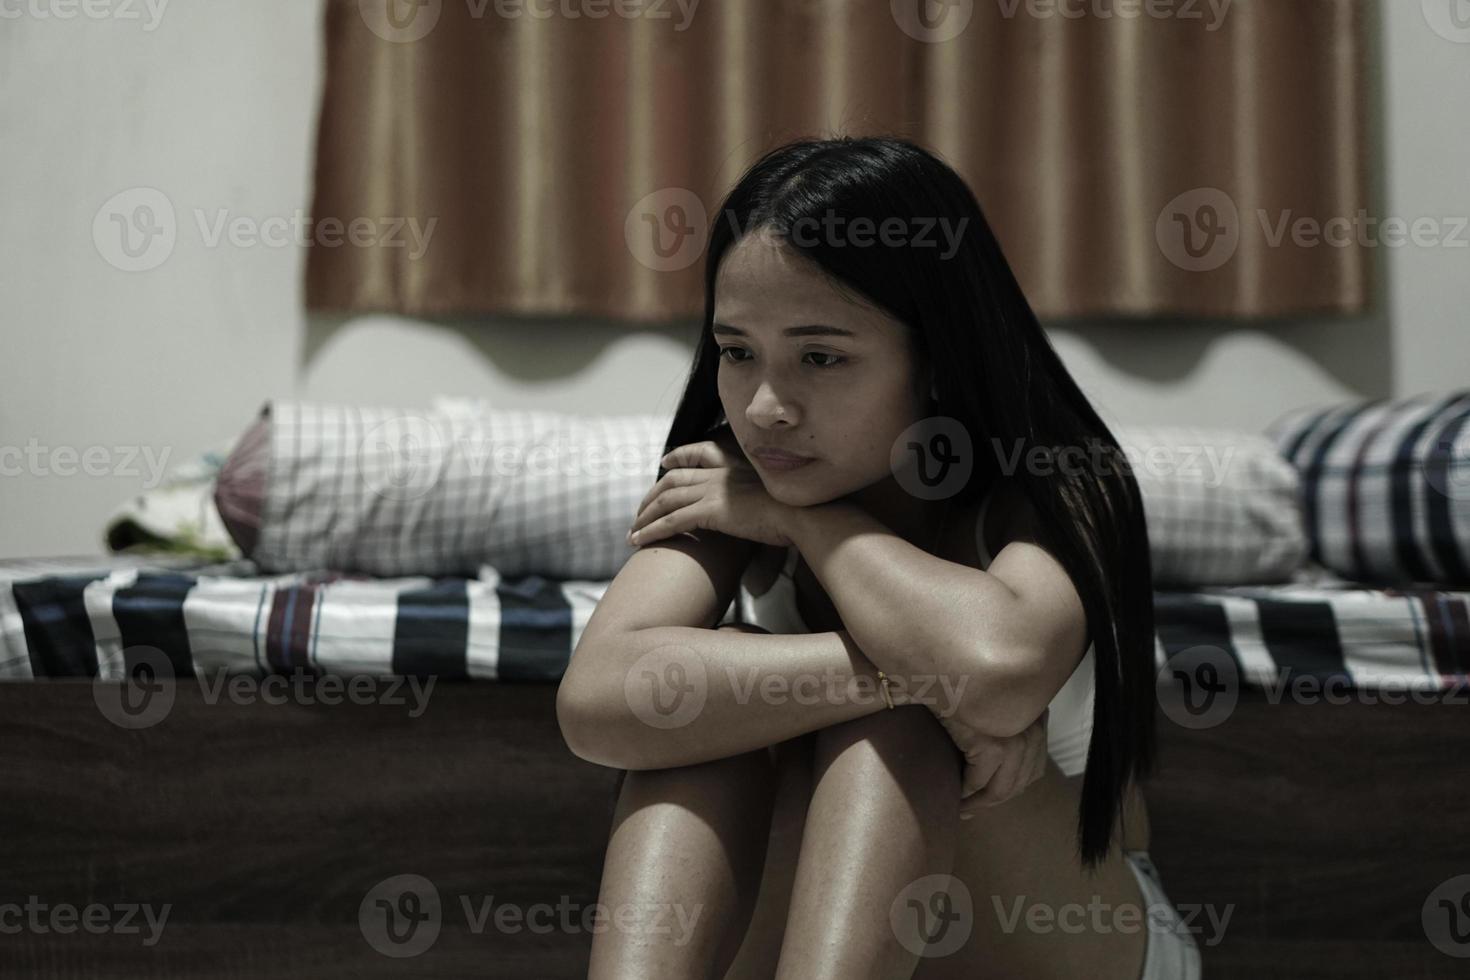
[1323, 820]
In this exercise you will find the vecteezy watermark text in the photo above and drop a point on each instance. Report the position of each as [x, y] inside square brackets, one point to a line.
[1201, 230]
[406, 21]
[669, 686]
[1098, 916]
[145, 694]
[64, 918]
[67, 10]
[1200, 686]
[137, 230]
[401, 916]
[667, 230]
[37, 460]
[1211, 12]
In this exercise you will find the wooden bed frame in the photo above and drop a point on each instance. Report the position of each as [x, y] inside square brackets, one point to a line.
[264, 827]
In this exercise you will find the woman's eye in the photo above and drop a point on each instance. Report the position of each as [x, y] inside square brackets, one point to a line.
[834, 359]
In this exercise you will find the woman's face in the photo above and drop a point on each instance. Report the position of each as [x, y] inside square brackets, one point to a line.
[810, 371]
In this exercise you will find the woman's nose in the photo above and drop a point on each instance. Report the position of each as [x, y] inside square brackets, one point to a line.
[767, 407]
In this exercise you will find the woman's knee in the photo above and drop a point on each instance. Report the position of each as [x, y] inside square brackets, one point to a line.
[901, 727]
[907, 740]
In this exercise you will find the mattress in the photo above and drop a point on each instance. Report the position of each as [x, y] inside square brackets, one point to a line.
[94, 617]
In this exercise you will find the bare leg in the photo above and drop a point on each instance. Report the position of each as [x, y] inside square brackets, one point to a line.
[686, 852]
[884, 812]
[761, 951]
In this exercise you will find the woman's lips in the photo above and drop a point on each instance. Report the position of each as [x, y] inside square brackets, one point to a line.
[780, 463]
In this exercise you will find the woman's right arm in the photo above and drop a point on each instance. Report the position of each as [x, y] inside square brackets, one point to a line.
[653, 685]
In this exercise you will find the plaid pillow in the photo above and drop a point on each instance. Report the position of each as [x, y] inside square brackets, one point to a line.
[1221, 506]
[397, 492]
[1385, 486]
[443, 491]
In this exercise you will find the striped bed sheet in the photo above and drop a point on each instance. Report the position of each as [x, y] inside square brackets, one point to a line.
[88, 617]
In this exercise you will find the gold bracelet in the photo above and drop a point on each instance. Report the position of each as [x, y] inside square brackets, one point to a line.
[883, 679]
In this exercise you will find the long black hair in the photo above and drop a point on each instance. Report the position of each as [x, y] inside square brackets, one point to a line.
[996, 373]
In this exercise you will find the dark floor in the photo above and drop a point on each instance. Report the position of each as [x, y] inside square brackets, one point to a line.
[264, 828]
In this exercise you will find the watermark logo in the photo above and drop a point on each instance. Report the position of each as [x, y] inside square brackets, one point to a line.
[401, 916]
[1199, 687]
[933, 458]
[1446, 917]
[136, 230]
[1450, 19]
[666, 230]
[932, 21]
[1447, 463]
[933, 916]
[1199, 230]
[146, 693]
[401, 21]
[402, 458]
[667, 687]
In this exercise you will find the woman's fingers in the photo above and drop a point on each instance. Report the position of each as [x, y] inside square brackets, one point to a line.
[979, 774]
[1022, 762]
[691, 454]
[682, 517]
[980, 768]
[1002, 785]
[678, 492]
[665, 503]
[1034, 766]
[682, 465]
[673, 478]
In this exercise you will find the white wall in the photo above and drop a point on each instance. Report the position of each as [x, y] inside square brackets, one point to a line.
[215, 107]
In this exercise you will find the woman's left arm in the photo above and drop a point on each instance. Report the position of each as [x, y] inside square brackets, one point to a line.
[997, 645]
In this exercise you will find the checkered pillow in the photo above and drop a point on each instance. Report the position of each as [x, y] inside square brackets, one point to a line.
[443, 491]
[1385, 486]
[395, 492]
[1221, 506]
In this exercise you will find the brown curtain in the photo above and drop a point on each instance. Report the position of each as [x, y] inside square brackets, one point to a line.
[1167, 163]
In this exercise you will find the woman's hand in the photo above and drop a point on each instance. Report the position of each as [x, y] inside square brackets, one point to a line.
[997, 769]
[710, 486]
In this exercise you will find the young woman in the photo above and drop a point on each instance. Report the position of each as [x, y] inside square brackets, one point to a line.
[880, 459]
